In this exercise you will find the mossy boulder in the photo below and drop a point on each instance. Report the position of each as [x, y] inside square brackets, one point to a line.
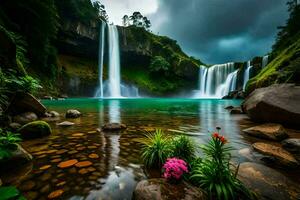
[35, 129]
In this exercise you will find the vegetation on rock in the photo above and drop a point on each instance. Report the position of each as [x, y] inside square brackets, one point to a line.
[8, 143]
[35, 129]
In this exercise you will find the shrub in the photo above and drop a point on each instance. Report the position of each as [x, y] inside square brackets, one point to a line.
[23, 83]
[174, 169]
[213, 173]
[159, 64]
[156, 149]
[10, 192]
[8, 143]
[183, 147]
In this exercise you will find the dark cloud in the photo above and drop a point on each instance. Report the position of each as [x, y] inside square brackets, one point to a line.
[218, 31]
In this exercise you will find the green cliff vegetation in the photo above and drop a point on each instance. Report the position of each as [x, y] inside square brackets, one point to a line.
[285, 64]
[164, 69]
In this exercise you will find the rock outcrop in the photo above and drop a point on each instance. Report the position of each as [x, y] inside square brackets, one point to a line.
[267, 131]
[267, 183]
[278, 154]
[160, 189]
[278, 103]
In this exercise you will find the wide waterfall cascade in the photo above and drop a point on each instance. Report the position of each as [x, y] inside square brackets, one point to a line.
[114, 80]
[99, 92]
[216, 81]
[265, 61]
[247, 75]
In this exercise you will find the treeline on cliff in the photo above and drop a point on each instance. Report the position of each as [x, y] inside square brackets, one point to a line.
[285, 56]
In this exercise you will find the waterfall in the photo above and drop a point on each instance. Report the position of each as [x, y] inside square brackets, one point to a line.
[247, 75]
[99, 92]
[265, 61]
[216, 81]
[114, 79]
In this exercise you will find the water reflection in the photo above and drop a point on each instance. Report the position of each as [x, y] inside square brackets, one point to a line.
[114, 111]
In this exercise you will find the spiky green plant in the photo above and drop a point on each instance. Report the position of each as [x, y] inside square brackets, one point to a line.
[156, 148]
[183, 147]
[8, 143]
[213, 173]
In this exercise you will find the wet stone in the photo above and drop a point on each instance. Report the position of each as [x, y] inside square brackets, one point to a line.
[67, 163]
[26, 186]
[45, 167]
[93, 156]
[80, 148]
[60, 175]
[83, 171]
[45, 189]
[55, 194]
[45, 176]
[83, 164]
[72, 170]
[92, 147]
[91, 169]
[72, 152]
[77, 134]
[61, 183]
[51, 151]
[56, 160]
[62, 151]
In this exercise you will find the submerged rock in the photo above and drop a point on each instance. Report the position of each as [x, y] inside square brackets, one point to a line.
[25, 118]
[267, 131]
[278, 103]
[65, 123]
[267, 183]
[113, 127]
[160, 189]
[236, 110]
[35, 129]
[55, 194]
[278, 154]
[25, 102]
[18, 158]
[73, 113]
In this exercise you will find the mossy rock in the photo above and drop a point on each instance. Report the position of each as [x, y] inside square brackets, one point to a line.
[35, 129]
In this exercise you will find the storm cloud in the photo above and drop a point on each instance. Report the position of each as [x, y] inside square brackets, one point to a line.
[217, 31]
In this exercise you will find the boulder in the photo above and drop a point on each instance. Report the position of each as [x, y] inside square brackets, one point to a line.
[160, 189]
[73, 114]
[266, 182]
[237, 94]
[35, 129]
[113, 127]
[25, 118]
[270, 131]
[54, 113]
[278, 103]
[18, 158]
[65, 123]
[293, 146]
[278, 154]
[25, 102]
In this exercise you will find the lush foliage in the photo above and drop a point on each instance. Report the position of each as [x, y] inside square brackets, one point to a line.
[159, 64]
[136, 19]
[156, 149]
[183, 147]
[10, 192]
[287, 33]
[174, 169]
[8, 143]
[213, 173]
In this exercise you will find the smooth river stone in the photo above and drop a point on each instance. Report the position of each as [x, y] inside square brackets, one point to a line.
[45, 167]
[80, 148]
[83, 171]
[51, 151]
[62, 151]
[83, 164]
[67, 163]
[93, 156]
[56, 160]
[77, 134]
[92, 147]
[72, 152]
[61, 183]
[55, 194]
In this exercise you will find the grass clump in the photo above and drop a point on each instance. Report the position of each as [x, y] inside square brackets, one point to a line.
[183, 147]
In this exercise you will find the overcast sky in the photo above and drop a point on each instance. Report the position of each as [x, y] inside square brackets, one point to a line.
[215, 31]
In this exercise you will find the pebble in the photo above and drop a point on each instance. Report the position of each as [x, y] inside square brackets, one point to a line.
[45, 167]
[61, 183]
[55, 194]
[56, 160]
[62, 151]
[83, 164]
[45, 189]
[45, 176]
[77, 134]
[67, 163]
[26, 186]
[93, 156]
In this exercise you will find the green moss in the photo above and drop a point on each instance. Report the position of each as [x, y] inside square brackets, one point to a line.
[284, 68]
[35, 129]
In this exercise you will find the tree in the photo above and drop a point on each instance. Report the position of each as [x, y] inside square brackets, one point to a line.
[125, 20]
[147, 23]
[136, 18]
[159, 64]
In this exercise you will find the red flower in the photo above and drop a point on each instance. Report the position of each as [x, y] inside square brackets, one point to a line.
[215, 135]
[223, 139]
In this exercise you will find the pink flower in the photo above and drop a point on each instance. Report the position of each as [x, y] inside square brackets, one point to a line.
[174, 168]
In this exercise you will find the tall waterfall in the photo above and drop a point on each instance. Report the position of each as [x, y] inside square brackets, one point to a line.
[265, 61]
[217, 81]
[247, 74]
[99, 92]
[114, 80]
